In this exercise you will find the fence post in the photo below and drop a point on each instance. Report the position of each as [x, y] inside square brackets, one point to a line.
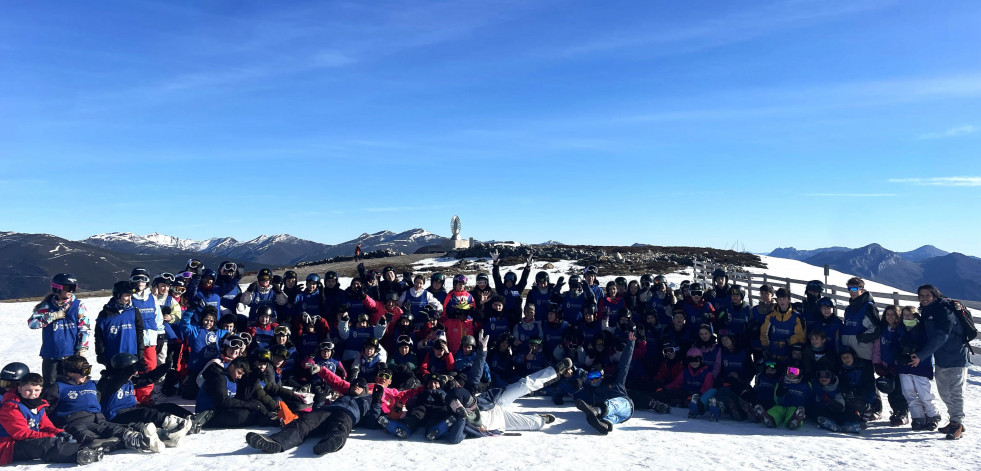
[895, 298]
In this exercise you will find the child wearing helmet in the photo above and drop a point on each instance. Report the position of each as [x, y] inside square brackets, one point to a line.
[64, 323]
[789, 397]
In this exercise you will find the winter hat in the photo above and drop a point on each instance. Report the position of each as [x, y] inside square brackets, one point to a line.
[460, 398]
[694, 352]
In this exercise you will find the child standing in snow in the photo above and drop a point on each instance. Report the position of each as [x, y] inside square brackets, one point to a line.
[916, 380]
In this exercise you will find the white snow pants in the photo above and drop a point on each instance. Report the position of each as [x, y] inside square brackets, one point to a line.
[501, 417]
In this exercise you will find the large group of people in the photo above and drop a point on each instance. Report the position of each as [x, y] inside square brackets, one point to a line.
[401, 354]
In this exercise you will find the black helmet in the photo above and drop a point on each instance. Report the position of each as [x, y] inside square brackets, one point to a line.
[290, 274]
[262, 354]
[140, 271]
[815, 285]
[482, 277]
[64, 282]
[885, 384]
[122, 287]
[122, 360]
[209, 273]
[468, 340]
[265, 310]
[14, 371]
[264, 275]
[695, 287]
[620, 281]
[391, 296]
[331, 275]
[646, 278]
[574, 281]
[511, 276]
[387, 269]
[371, 342]
[541, 276]
[734, 290]
[178, 282]
[719, 273]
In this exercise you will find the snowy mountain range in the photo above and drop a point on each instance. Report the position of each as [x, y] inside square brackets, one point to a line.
[279, 250]
[956, 274]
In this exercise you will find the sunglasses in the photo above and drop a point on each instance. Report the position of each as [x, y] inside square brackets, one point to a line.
[853, 289]
[696, 293]
[594, 375]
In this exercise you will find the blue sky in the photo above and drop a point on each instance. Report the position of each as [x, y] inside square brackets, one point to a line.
[771, 123]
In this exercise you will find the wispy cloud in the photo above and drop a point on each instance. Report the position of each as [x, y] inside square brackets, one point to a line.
[952, 132]
[851, 195]
[939, 181]
[718, 31]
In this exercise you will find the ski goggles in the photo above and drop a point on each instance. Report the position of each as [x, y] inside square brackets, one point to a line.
[695, 293]
[167, 276]
[178, 290]
[825, 374]
[139, 279]
[386, 375]
[55, 287]
[264, 277]
[590, 270]
[793, 371]
[404, 340]
[235, 343]
[853, 289]
[325, 346]
[230, 266]
[669, 350]
[282, 330]
[693, 359]
[594, 375]
[770, 364]
[194, 263]
[84, 371]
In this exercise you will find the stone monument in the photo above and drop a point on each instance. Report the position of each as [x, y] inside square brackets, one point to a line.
[455, 243]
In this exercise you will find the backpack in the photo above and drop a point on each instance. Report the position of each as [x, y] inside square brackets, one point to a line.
[968, 328]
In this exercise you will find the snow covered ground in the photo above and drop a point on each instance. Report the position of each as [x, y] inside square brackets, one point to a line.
[647, 441]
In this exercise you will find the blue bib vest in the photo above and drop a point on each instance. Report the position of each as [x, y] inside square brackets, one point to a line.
[125, 398]
[74, 398]
[119, 333]
[59, 337]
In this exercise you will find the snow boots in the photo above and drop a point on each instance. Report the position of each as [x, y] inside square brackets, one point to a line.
[954, 431]
[144, 439]
[797, 419]
[440, 428]
[715, 409]
[198, 420]
[765, 417]
[88, 455]
[659, 407]
[695, 406]
[329, 445]
[173, 430]
[897, 419]
[262, 442]
[828, 424]
[594, 417]
[394, 427]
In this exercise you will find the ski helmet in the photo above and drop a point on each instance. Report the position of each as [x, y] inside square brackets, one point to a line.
[814, 285]
[885, 384]
[64, 282]
[264, 311]
[793, 375]
[264, 275]
[461, 278]
[437, 277]
[590, 270]
[511, 276]
[14, 371]
[736, 290]
[122, 287]
[140, 271]
[391, 296]
[325, 345]
[468, 340]
[695, 287]
[482, 277]
[371, 342]
[122, 360]
[719, 273]
[541, 276]
[289, 275]
[209, 273]
[313, 278]
[574, 281]
[646, 278]
[331, 275]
